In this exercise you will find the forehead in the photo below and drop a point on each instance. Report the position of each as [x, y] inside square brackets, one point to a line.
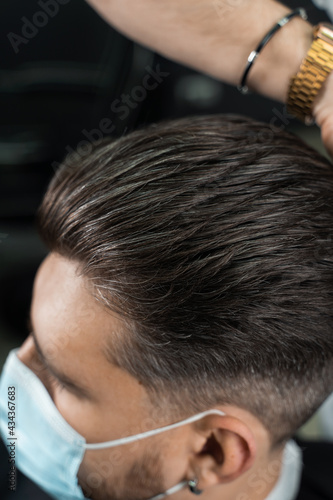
[61, 297]
[59, 292]
[73, 330]
[71, 326]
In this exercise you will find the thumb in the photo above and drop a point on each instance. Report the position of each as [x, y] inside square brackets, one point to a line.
[327, 133]
[323, 113]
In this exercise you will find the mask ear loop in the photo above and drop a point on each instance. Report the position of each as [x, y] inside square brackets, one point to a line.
[191, 484]
[143, 435]
[170, 491]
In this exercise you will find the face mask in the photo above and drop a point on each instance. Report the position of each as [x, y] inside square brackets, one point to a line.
[47, 449]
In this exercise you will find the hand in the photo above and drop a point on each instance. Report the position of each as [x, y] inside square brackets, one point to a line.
[323, 113]
[216, 36]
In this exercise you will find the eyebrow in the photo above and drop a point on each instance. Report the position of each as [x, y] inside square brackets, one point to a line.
[78, 389]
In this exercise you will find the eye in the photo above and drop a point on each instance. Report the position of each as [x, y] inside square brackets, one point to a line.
[58, 384]
[39, 365]
[46, 373]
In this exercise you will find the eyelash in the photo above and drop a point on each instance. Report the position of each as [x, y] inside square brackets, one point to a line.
[56, 382]
[59, 384]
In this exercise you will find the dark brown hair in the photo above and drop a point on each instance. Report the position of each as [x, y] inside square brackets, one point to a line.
[212, 237]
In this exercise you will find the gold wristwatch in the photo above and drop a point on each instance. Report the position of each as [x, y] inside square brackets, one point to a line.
[315, 68]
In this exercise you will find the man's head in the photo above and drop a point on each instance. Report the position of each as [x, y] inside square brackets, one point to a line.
[198, 255]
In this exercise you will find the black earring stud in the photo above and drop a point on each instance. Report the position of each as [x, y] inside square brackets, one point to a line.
[192, 484]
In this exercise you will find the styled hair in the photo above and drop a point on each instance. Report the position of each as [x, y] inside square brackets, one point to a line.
[211, 236]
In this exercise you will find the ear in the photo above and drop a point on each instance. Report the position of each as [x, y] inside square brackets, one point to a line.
[224, 449]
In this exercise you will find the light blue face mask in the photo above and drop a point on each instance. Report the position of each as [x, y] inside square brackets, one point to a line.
[47, 449]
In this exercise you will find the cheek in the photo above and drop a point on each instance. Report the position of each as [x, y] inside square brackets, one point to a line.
[107, 469]
[175, 455]
[96, 422]
[96, 469]
[80, 414]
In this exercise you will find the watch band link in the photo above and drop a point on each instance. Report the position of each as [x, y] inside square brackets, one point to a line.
[305, 86]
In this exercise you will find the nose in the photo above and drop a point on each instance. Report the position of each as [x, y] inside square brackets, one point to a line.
[28, 355]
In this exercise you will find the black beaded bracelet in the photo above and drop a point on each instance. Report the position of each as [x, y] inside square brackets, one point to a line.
[254, 54]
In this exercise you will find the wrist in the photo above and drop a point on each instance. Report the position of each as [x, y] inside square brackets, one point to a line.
[281, 59]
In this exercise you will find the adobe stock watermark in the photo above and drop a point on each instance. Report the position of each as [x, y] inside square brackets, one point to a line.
[119, 456]
[121, 107]
[258, 481]
[223, 7]
[31, 27]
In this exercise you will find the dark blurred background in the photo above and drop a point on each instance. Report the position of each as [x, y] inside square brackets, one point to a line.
[63, 74]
